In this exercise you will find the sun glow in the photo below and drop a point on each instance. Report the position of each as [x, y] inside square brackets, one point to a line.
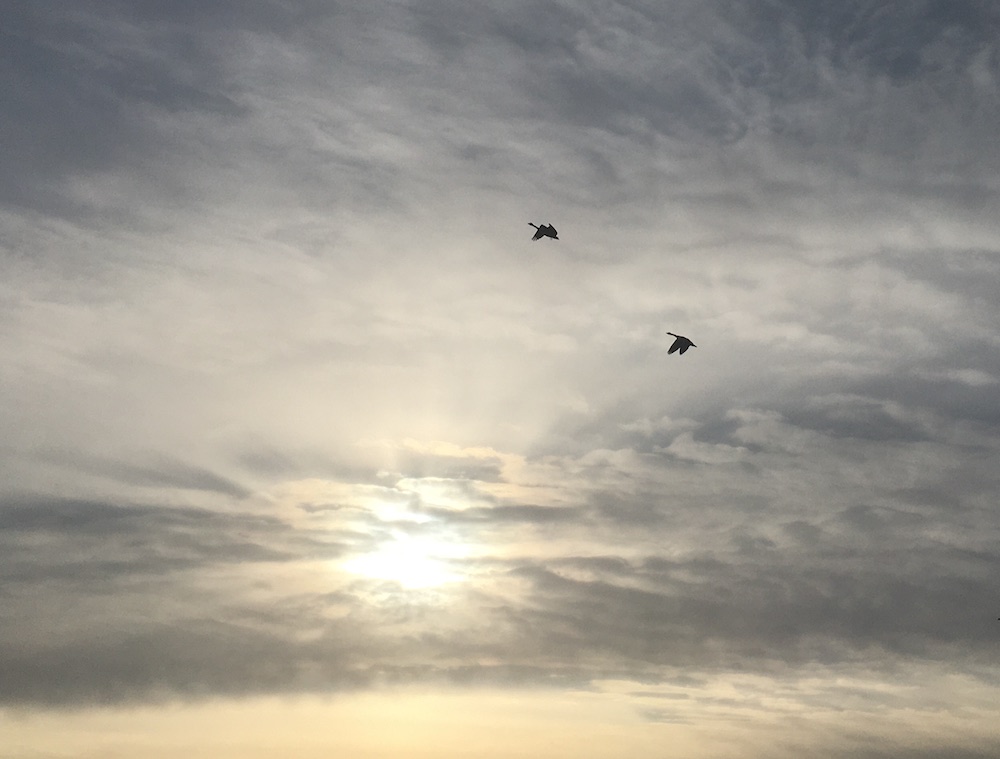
[413, 562]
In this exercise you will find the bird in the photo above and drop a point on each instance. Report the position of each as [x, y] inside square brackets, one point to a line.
[546, 230]
[681, 344]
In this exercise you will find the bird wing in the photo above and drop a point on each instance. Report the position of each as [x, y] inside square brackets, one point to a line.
[675, 346]
[539, 234]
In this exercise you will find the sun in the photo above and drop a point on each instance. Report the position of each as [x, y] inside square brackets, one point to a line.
[413, 562]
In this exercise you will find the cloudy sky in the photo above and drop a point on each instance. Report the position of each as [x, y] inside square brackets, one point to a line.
[307, 449]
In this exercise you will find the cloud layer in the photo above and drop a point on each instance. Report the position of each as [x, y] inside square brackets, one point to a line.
[291, 403]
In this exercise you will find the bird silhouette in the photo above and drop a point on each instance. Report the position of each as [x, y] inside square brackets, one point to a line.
[546, 230]
[681, 344]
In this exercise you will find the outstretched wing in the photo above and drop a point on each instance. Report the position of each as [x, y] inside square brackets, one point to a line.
[684, 348]
[676, 345]
[539, 234]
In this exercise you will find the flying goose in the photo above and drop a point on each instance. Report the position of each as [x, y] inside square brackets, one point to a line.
[546, 230]
[681, 344]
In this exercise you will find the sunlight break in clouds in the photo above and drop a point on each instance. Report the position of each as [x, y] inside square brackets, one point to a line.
[413, 562]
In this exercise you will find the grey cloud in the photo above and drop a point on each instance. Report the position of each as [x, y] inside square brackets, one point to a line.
[161, 471]
[47, 538]
[617, 74]
[863, 80]
[268, 462]
[902, 41]
[968, 273]
[506, 513]
[264, 460]
[950, 398]
[840, 601]
[666, 716]
[898, 752]
[448, 467]
[597, 68]
[747, 615]
[34, 512]
[74, 84]
[270, 16]
[696, 71]
[111, 602]
[198, 659]
[278, 645]
[855, 418]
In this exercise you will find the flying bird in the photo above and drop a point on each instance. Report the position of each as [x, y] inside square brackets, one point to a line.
[681, 344]
[546, 230]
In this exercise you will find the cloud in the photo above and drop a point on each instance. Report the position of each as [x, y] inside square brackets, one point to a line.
[108, 541]
[271, 315]
[79, 87]
[164, 472]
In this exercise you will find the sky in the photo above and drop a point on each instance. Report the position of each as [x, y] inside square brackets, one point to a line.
[307, 449]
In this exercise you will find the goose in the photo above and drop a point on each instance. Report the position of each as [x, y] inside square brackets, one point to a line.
[681, 344]
[546, 230]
